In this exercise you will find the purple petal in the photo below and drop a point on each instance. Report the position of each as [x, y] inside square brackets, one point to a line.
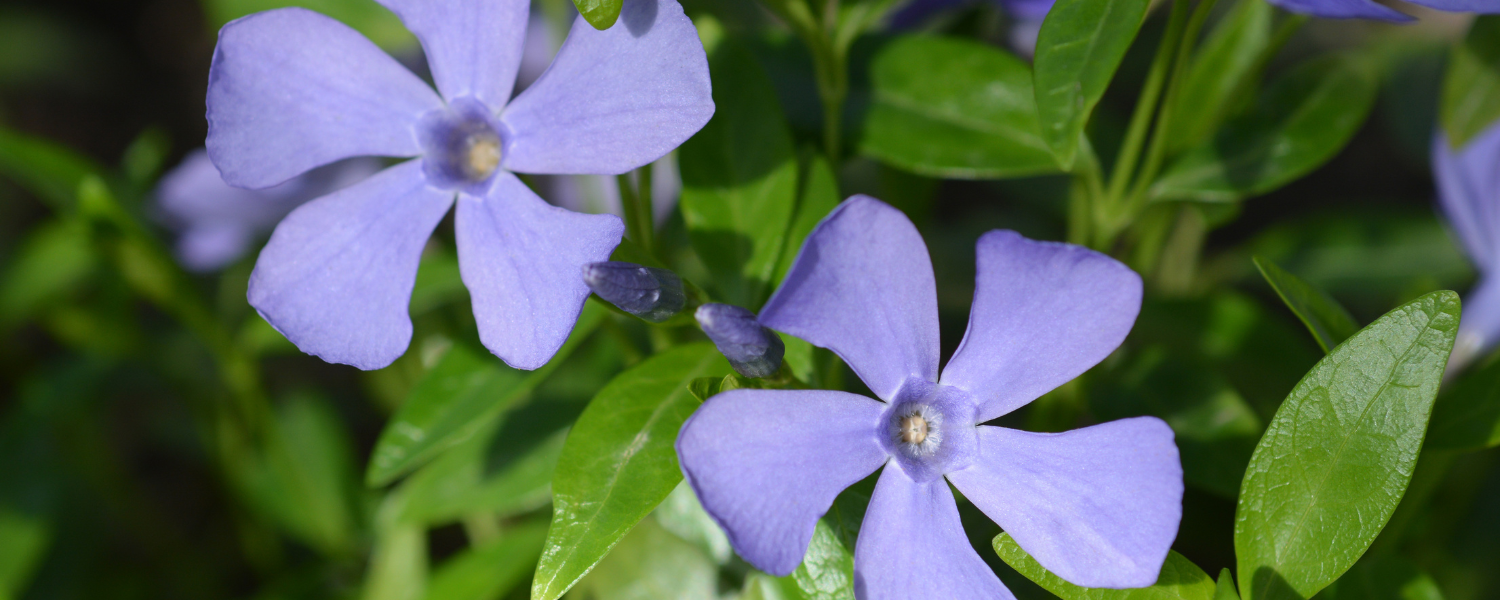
[912, 545]
[1469, 192]
[766, 464]
[1344, 9]
[1043, 313]
[1097, 506]
[537, 52]
[337, 275]
[862, 286]
[613, 100]
[1489, 7]
[212, 246]
[291, 89]
[473, 46]
[522, 261]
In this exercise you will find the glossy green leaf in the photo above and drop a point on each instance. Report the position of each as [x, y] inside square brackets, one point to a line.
[602, 14]
[476, 476]
[827, 570]
[1467, 415]
[619, 462]
[819, 196]
[1329, 323]
[1471, 87]
[24, 540]
[1337, 458]
[739, 180]
[398, 564]
[950, 107]
[368, 18]
[464, 392]
[55, 258]
[489, 569]
[1225, 587]
[51, 172]
[1383, 577]
[1300, 122]
[760, 586]
[1179, 578]
[651, 564]
[683, 515]
[1220, 68]
[1078, 50]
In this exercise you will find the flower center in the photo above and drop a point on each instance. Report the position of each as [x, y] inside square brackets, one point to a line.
[482, 155]
[913, 429]
[462, 146]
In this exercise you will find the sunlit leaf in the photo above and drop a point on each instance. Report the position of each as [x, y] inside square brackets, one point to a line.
[1078, 50]
[1179, 578]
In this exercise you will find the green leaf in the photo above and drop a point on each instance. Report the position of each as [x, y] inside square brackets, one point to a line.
[1467, 415]
[1329, 323]
[739, 180]
[820, 195]
[760, 586]
[1219, 69]
[488, 570]
[438, 282]
[1179, 578]
[1471, 87]
[827, 570]
[1339, 454]
[55, 258]
[368, 18]
[1299, 122]
[1077, 51]
[398, 564]
[619, 462]
[505, 471]
[651, 564]
[24, 540]
[602, 14]
[1383, 577]
[1225, 587]
[311, 456]
[683, 515]
[950, 107]
[51, 172]
[464, 392]
[704, 388]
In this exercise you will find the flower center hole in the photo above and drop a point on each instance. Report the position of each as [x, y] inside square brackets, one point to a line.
[913, 429]
[481, 155]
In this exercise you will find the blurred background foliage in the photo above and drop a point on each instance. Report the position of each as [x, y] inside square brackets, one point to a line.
[131, 390]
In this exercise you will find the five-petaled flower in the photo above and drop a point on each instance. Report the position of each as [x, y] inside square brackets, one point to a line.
[291, 89]
[1098, 506]
[1468, 185]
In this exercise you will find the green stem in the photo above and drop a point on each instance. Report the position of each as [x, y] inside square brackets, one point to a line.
[1146, 105]
[637, 209]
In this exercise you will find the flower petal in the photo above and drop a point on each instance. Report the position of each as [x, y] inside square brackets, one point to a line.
[1097, 506]
[1468, 189]
[912, 545]
[522, 260]
[291, 89]
[473, 46]
[1344, 9]
[1043, 313]
[862, 286]
[1488, 7]
[212, 246]
[337, 275]
[766, 464]
[613, 100]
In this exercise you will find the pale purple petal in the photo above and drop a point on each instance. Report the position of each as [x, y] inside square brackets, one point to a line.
[537, 52]
[291, 89]
[1097, 506]
[862, 286]
[912, 545]
[1475, 6]
[473, 46]
[1479, 329]
[337, 275]
[1344, 9]
[212, 246]
[766, 464]
[522, 261]
[613, 100]
[1468, 183]
[1043, 313]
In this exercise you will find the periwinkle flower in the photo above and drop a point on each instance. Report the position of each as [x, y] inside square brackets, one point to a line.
[1098, 506]
[752, 350]
[1369, 9]
[1468, 183]
[647, 292]
[291, 89]
[1026, 16]
[217, 223]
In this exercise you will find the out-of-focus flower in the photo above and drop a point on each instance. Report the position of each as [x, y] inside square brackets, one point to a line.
[752, 350]
[647, 292]
[1369, 9]
[291, 89]
[1098, 506]
[1468, 183]
[1026, 18]
[601, 193]
[217, 223]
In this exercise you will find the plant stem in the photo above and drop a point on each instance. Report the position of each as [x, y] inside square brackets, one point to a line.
[1146, 105]
[636, 205]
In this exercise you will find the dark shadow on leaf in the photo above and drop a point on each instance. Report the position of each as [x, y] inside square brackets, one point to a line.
[526, 428]
[1267, 584]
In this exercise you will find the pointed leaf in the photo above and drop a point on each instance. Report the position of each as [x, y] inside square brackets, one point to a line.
[602, 14]
[1078, 50]
[1329, 323]
[1218, 70]
[619, 462]
[1340, 452]
[1225, 589]
[1179, 578]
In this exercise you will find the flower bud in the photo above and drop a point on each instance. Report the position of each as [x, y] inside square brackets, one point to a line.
[646, 292]
[752, 350]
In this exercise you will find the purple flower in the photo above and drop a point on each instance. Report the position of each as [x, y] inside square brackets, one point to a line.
[751, 349]
[218, 222]
[1098, 506]
[1027, 16]
[291, 89]
[1369, 9]
[647, 292]
[1468, 183]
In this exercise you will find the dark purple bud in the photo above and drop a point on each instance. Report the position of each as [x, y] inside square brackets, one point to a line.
[646, 292]
[752, 350]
